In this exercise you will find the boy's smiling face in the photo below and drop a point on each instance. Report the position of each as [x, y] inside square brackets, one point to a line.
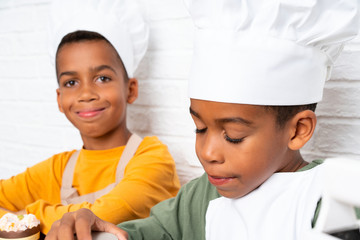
[239, 146]
[92, 90]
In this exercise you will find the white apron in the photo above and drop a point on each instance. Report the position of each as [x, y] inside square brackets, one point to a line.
[69, 195]
[281, 208]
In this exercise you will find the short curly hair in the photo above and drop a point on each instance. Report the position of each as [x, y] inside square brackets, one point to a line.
[285, 113]
[81, 36]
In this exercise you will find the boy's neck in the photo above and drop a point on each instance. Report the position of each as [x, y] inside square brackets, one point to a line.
[108, 141]
[297, 162]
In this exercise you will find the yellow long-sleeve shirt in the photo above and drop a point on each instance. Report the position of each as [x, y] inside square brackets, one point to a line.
[149, 177]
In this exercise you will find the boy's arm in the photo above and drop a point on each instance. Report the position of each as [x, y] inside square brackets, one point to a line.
[82, 222]
[155, 228]
[150, 177]
[182, 217]
[34, 183]
[130, 199]
[14, 193]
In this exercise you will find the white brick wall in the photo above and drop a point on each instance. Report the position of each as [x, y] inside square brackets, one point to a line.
[32, 129]
[338, 130]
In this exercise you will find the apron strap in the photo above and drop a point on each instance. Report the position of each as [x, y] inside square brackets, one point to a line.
[69, 195]
[129, 151]
[66, 190]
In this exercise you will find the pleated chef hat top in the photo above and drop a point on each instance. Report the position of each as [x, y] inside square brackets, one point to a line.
[119, 21]
[267, 52]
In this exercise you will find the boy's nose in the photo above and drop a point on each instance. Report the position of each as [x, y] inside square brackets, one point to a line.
[87, 93]
[210, 150]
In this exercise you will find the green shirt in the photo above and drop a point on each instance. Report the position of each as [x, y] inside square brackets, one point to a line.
[182, 217]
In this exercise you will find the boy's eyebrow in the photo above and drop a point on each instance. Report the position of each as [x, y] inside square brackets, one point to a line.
[234, 120]
[192, 112]
[102, 67]
[69, 73]
[225, 120]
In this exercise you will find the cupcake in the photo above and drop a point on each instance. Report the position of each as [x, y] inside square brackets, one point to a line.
[22, 227]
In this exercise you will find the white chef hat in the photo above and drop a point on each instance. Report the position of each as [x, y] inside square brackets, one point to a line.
[267, 52]
[119, 21]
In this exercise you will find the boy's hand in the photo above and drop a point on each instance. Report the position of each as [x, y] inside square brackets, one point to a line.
[82, 222]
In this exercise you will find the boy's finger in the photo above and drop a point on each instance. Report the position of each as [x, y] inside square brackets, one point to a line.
[104, 226]
[85, 221]
[82, 222]
[118, 232]
[53, 231]
[66, 227]
[63, 228]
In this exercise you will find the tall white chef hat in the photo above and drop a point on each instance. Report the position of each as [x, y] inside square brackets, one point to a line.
[267, 52]
[119, 21]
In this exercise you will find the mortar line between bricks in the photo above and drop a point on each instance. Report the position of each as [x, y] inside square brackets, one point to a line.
[342, 82]
[158, 107]
[329, 154]
[340, 120]
[24, 4]
[342, 154]
[152, 20]
[160, 135]
[160, 80]
[181, 52]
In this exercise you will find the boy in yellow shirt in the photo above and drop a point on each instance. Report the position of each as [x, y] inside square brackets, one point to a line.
[116, 174]
[258, 71]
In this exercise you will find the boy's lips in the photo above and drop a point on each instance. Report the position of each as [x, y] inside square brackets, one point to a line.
[216, 181]
[89, 113]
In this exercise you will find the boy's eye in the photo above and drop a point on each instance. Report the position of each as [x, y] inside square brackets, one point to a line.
[69, 83]
[200, 130]
[233, 140]
[103, 79]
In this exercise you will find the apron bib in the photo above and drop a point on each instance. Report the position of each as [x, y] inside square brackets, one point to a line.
[69, 195]
[281, 208]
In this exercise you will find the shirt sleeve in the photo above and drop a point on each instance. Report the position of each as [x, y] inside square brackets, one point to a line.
[149, 178]
[38, 181]
[182, 217]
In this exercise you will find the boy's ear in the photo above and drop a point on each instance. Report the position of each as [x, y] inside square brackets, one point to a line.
[132, 87]
[58, 100]
[302, 127]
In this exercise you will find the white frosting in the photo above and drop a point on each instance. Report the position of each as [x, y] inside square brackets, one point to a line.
[11, 222]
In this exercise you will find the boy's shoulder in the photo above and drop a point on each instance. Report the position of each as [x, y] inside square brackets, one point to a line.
[152, 146]
[51, 167]
[311, 165]
[151, 142]
[58, 158]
